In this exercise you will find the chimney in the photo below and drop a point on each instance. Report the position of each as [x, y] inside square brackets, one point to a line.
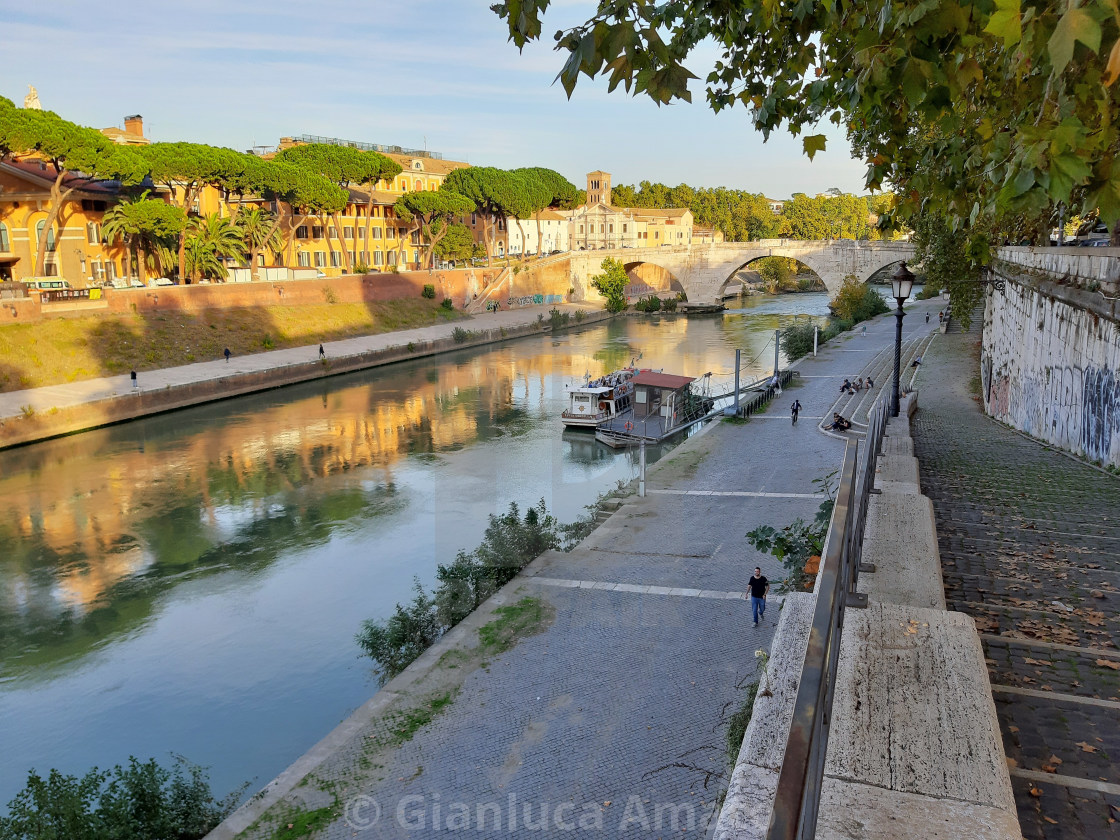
[134, 125]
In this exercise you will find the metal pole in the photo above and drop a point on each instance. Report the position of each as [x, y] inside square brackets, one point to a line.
[738, 356]
[777, 342]
[897, 358]
[642, 468]
[816, 329]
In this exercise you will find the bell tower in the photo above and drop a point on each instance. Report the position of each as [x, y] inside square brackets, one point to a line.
[598, 188]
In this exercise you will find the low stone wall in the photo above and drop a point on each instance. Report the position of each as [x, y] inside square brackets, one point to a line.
[1051, 356]
[460, 285]
[57, 422]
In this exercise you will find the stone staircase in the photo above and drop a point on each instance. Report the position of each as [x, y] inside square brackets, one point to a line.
[857, 407]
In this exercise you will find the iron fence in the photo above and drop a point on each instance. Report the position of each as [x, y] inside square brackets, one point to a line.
[798, 796]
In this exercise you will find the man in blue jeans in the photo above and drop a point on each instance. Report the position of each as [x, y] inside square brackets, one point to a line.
[757, 587]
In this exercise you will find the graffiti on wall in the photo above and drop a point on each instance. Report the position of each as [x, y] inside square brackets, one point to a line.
[1100, 413]
[530, 300]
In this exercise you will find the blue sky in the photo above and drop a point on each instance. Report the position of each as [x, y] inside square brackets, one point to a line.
[416, 73]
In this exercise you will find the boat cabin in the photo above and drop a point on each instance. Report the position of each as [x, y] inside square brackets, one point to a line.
[658, 394]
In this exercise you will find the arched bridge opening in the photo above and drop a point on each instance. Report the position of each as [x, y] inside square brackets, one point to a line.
[648, 279]
[772, 274]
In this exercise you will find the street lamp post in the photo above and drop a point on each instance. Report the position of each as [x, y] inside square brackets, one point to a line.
[902, 281]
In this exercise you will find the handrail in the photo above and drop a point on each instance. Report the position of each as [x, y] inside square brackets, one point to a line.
[798, 796]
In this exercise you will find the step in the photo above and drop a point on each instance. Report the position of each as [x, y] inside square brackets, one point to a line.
[897, 474]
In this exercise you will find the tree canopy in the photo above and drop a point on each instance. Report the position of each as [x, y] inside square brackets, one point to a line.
[977, 107]
[432, 212]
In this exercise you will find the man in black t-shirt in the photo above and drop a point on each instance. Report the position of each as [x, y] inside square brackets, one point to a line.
[757, 587]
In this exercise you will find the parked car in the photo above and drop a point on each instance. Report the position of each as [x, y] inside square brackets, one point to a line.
[160, 281]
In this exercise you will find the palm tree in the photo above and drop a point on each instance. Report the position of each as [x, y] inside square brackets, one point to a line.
[145, 226]
[210, 239]
[260, 233]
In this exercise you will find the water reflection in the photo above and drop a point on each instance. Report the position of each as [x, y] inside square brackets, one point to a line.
[192, 581]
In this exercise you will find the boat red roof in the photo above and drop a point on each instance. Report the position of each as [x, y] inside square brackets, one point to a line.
[661, 380]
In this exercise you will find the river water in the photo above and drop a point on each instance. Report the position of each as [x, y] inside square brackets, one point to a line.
[192, 583]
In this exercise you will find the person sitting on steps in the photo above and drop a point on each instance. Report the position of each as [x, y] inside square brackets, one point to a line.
[846, 386]
[839, 424]
[917, 361]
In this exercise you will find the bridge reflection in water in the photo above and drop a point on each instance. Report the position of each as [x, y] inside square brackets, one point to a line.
[192, 582]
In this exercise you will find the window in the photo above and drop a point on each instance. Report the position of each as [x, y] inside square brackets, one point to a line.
[93, 233]
[52, 270]
[98, 271]
[260, 259]
[4, 245]
[320, 259]
[657, 234]
[624, 228]
[353, 258]
[332, 232]
[392, 257]
[378, 258]
[348, 233]
[418, 185]
[91, 205]
[359, 211]
[581, 228]
[316, 232]
[600, 228]
[301, 232]
[416, 257]
[361, 233]
[375, 233]
[474, 218]
[303, 258]
[111, 269]
[610, 228]
[50, 236]
[415, 237]
[336, 259]
[390, 233]
[417, 165]
[195, 207]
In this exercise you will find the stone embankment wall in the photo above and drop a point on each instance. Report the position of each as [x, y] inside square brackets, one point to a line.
[1050, 363]
[460, 285]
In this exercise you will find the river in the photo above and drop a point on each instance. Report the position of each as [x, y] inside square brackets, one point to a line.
[191, 583]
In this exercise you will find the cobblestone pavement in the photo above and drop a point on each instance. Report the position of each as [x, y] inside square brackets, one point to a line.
[1030, 547]
[613, 721]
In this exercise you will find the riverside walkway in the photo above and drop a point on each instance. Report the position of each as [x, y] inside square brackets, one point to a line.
[612, 720]
[88, 391]
[1029, 540]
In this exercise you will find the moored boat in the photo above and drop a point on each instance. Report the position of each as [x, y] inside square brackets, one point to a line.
[600, 400]
[663, 404]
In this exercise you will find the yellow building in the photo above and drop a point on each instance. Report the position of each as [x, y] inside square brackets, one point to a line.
[74, 249]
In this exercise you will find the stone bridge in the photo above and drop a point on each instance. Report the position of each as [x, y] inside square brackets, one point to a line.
[705, 271]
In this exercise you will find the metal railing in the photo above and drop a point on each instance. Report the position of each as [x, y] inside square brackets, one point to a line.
[367, 147]
[798, 796]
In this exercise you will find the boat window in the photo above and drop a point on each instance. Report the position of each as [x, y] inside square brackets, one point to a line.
[640, 395]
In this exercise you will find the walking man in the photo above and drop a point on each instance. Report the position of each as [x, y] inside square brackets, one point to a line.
[757, 587]
[794, 409]
[776, 384]
[927, 317]
[135, 384]
[322, 352]
[228, 354]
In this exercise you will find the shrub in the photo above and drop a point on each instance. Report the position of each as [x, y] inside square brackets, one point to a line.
[856, 301]
[137, 802]
[669, 305]
[361, 268]
[580, 315]
[429, 291]
[459, 335]
[682, 297]
[797, 340]
[929, 290]
[447, 304]
[611, 284]
[794, 544]
[511, 541]
[650, 304]
[329, 296]
[558, 319]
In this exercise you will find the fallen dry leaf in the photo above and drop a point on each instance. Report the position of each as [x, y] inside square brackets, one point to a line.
[1030, 661]
[1052, 822]
[1035, 792]
[1109, 663]
[1013, 729]
[1087, 747]
[1012, 762]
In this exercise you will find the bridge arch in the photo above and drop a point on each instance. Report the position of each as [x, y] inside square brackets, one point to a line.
[729, 281]
[649, 278]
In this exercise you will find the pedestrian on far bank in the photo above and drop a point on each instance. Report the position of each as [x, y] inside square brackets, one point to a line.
[322, 352]
[795, 409]
[927, 317]
[135, 384]
[757, 588]
[227, 355]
